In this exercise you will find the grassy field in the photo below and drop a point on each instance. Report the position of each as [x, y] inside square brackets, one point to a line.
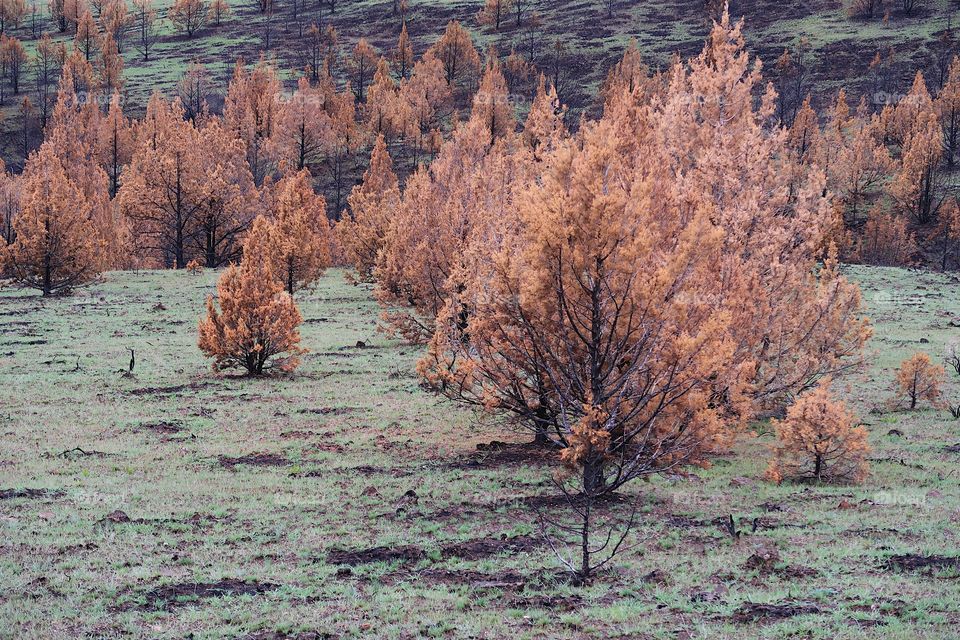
[345, 502]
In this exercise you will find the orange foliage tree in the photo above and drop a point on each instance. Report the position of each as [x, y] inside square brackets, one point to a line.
[455, 50]
[256, 326]
[188, 16]
[820, 441]
[296, 242]
[55, 247]
[886, 241]
[647, 291]
[373, 203]
[919, 379]
[186, 190]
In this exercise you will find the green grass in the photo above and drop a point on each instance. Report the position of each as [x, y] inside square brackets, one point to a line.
[354, 432]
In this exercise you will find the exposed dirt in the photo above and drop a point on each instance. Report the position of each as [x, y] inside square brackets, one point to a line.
[915, 562]
[280, 635]
[168, 391]
[171, 596]
[484, 547]
[497, 453]
[330, 411]
[32, 494]
[163, 426]
[475, 579]
[755, 612]
[254, 460]
[374, 554]
[550, 603]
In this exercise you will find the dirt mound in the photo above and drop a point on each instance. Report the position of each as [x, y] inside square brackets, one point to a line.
[755, 612]
[476, 579]
[915, 562]
[354, 557]
[162, 426]
[253, 460]
[168, 391]
[498, 453]
[170, 596]
[484, 547]
[32, 494]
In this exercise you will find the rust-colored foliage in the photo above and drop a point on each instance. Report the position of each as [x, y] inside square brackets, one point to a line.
[255, 327]
[295, 242]
[819, 441]
[886, 241]
[56, 247]
[373, 203]
[919, 379]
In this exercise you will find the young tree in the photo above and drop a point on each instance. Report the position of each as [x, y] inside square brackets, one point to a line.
[919, 379]
[144, 23]
[384, 112]
[455, 50]
[47, 62]
[256, 326]
[116, 20]
[632, 310]
[10, 193]
[250, 112]
[110, 65]
[115, 142]
[55, 247]
[494, 12]
[372, 205]
[303, 130]
[11, 13]
[363, 65]
[87, 38]
[544, 128]
[946, 236]
[189, 16]
[886, 241]
[819, 441]
[219, 9]
[918, 185]
[194, 89]
[296, 243]
[491, 102]
[403, 54]
[14, 59]
[947, 105]
[861, 165]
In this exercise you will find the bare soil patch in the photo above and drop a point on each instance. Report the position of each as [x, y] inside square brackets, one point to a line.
[485, 547]
[498, 453]
[915, 562]
[171, 596]
[31, 494]
[253, 460]
[750, 612]
[162, 426]
[168, 391]
[355, 557]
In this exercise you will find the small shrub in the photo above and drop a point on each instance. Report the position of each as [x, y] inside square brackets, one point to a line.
[256, 327]
[919, 379]
[194, 267]
[819, 440]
